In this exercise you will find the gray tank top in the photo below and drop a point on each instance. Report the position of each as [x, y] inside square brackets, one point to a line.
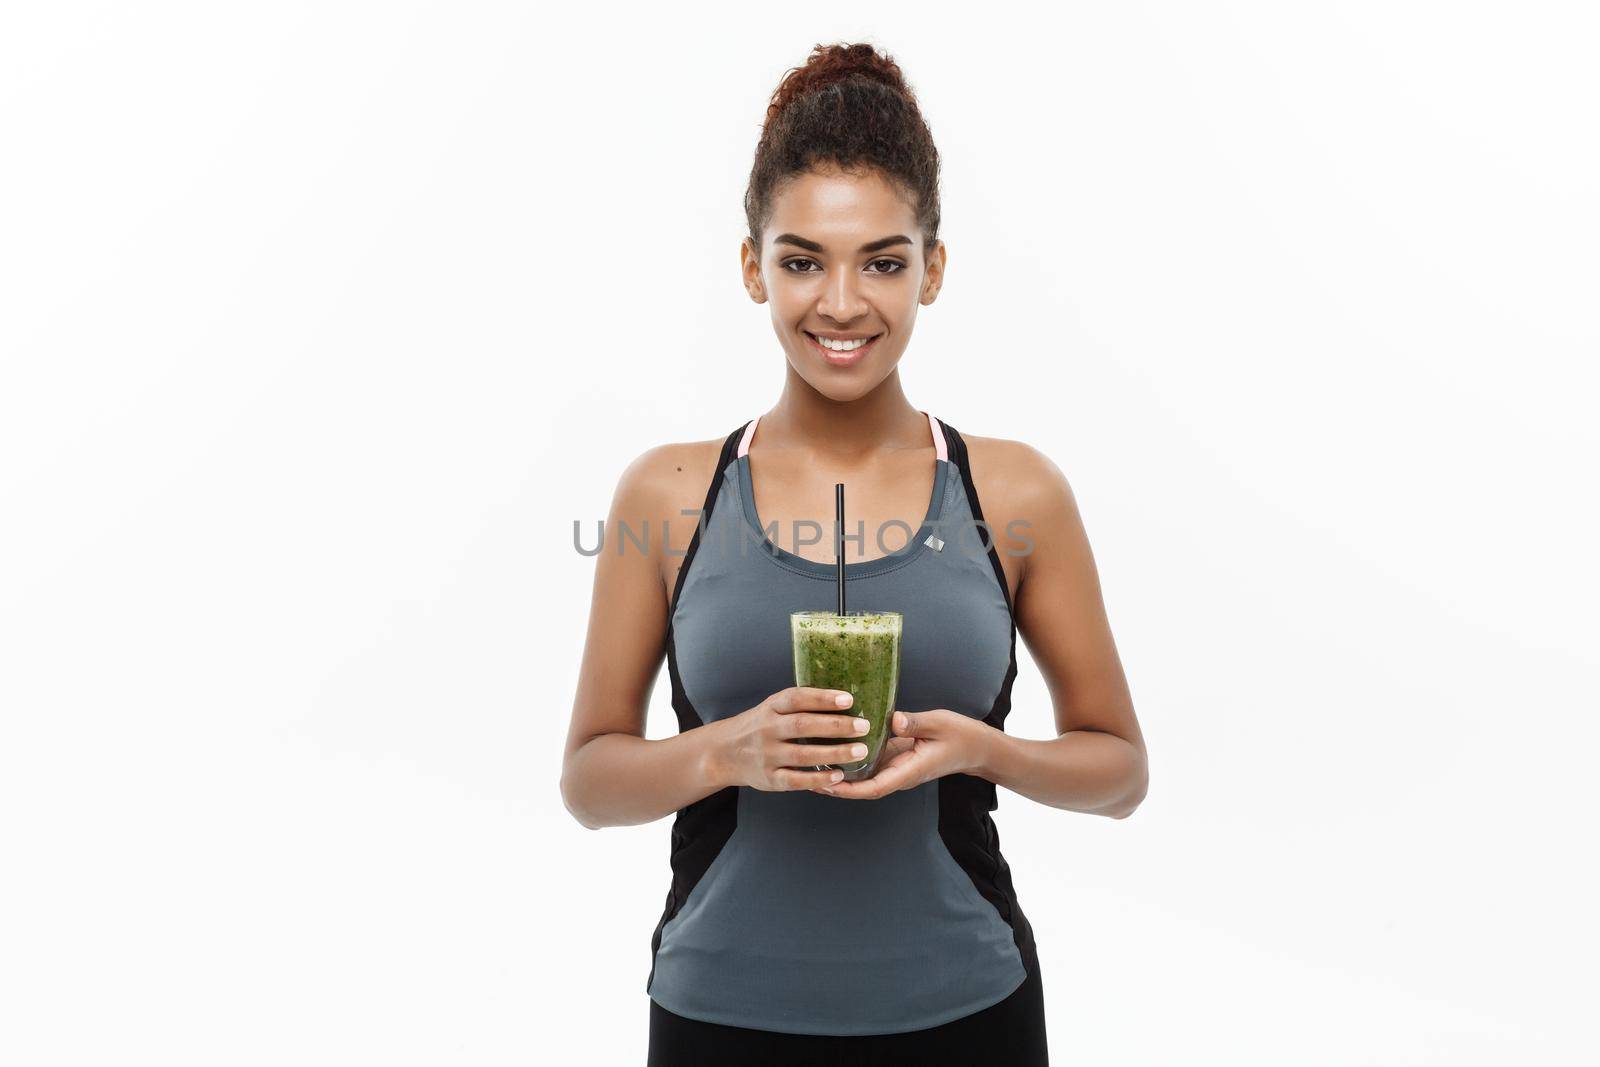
[809, 914]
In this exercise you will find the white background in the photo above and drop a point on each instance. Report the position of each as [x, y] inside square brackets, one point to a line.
[323, 322]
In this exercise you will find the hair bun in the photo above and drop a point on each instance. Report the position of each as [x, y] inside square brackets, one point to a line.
[848, 106]
[832, 63]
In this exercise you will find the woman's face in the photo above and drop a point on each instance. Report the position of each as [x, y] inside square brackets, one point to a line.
[841, 260]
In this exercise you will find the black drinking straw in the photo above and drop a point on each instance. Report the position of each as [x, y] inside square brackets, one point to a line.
[838, 541]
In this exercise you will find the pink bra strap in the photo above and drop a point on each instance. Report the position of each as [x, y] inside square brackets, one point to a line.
[749, 432]
[939, 449]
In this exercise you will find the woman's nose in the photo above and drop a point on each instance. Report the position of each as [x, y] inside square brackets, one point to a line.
[841, 298]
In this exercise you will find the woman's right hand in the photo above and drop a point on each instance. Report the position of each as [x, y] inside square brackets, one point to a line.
[758, 746]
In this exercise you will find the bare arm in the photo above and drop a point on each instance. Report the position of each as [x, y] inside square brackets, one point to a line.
[611, 774]
[1097, 763]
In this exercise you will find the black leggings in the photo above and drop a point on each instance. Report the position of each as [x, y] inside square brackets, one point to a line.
[1007, 1034]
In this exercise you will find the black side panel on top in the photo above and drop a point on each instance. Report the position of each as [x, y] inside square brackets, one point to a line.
[958, 455]
[966, 800]
[700, 830]
[730, 446]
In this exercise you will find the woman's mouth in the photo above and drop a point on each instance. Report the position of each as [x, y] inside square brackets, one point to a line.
[844, 353]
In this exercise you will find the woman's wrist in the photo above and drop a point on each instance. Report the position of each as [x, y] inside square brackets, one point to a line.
[985, 748]
[711, 768]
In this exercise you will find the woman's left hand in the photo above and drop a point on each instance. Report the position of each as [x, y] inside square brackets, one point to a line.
[923, 745]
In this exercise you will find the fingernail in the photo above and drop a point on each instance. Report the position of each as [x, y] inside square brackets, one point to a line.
[844, 700]
[858, 751]
[899, 722]
[862, 726]
[836, 776]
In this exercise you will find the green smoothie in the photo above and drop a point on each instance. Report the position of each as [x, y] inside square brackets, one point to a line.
[859, 653]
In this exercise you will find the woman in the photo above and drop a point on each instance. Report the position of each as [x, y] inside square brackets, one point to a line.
[811, 920]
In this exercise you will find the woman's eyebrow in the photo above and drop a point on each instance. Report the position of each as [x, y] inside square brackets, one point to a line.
[812, 246]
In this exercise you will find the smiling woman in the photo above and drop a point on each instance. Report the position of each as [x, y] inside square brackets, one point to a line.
[844, 147]
[841, 348]
[808, 919]
[842, 303]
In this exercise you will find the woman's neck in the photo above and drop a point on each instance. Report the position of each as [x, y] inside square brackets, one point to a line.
[845, 430]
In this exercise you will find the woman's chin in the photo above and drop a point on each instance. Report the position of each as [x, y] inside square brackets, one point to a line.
[842, 392]
[838, 387]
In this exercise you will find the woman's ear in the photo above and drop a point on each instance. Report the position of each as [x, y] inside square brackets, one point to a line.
[933, 274]
[750, 268]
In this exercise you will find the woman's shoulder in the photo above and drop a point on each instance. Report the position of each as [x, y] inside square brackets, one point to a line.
[656, 489]
[664, 482]
[658, 479]
[1013, 473]
[1026, 499]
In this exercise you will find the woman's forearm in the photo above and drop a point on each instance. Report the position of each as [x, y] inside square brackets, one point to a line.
[1082, 770]
[624, 780]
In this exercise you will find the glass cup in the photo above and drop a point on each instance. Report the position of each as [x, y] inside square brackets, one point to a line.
[858, 653]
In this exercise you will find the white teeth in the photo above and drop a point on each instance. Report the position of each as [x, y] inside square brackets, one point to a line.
[841, 346]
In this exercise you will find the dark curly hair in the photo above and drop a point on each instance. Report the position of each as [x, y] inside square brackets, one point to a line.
[850, 106]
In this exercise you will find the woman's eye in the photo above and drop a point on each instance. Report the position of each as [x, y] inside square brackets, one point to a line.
[803, 266]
